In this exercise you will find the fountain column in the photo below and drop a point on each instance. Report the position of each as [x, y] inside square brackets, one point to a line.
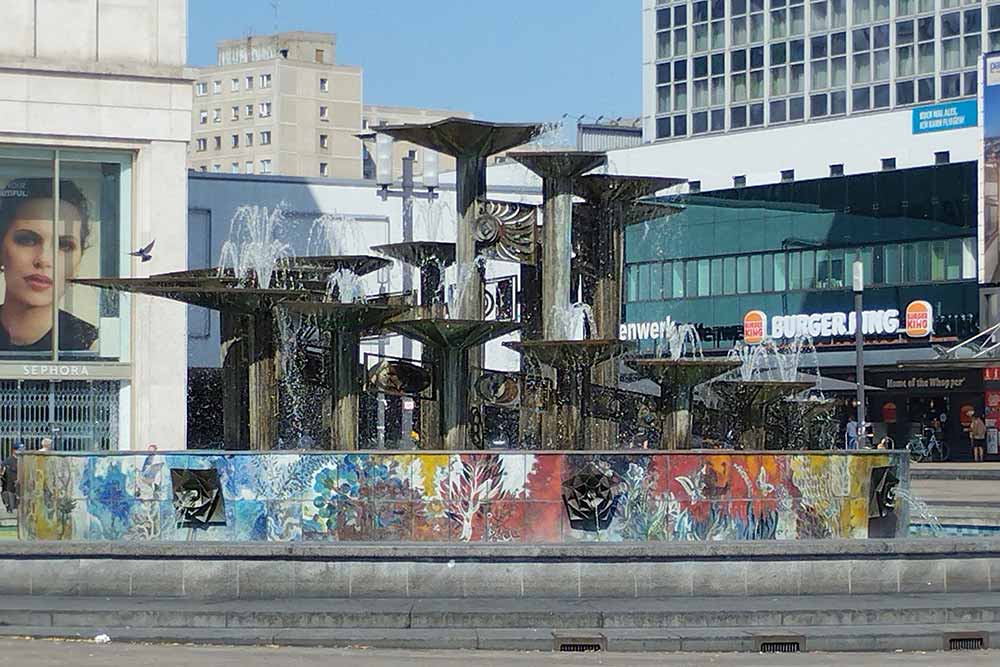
[470, 142]
[262, 382]
[558, 170]
[344, 385]
[235, 362]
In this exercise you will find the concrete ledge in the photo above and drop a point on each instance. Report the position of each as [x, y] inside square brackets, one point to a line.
[775, 550]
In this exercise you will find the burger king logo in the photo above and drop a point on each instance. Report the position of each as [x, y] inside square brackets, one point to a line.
[919, 319]
[754, 326]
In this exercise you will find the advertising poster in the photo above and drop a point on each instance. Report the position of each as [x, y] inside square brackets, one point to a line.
[43, 248]
[989, 260]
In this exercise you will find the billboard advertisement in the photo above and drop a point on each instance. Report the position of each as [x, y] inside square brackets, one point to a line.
[989, 214]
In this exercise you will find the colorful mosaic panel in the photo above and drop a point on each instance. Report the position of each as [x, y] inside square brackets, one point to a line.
[537, 497]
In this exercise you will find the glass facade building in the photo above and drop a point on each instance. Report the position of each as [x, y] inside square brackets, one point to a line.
[788, 249]
[731, 65]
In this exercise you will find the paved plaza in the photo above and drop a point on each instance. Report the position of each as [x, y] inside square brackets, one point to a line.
[88, 654]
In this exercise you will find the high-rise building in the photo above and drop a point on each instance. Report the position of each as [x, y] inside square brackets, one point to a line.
[278, 104]
[717, 66]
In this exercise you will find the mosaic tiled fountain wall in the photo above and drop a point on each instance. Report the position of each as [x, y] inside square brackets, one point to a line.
[538, 497]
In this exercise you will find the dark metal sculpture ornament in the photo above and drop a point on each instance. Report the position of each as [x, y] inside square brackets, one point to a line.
[197, 497]
[590, 498]
[506, 231]
[882, 494]
[498, 388]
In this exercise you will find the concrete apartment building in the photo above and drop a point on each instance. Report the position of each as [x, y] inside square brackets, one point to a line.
[278, 104]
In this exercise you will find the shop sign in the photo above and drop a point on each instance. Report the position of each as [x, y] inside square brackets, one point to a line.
[926, 382]
[991, 374]
[949, 116]
[992, 397]
[645, 330]
[61, 371]
[917, 321]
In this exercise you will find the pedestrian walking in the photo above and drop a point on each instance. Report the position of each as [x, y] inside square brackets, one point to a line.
[45, 445]
[8, 477]
[977, 433]
[851, 434]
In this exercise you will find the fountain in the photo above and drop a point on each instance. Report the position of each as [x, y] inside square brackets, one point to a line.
[255, 279]
[431, 258]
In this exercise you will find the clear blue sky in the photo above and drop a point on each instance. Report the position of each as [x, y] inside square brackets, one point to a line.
[504, 60]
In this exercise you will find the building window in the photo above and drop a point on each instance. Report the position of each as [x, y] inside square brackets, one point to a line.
[216, 87]
[235, 113]
[201, 89]
[248, 82]
[324, 85]
[249, 166]
[836, 170]
[324, 112]
[216, 115]
[324, 141]
[888, 163]
[787, 175]
[218, 143]
[248, 139]
[265, 80]
[265, 166]
[203, 117]
[203, 168]
[942, 157]
[324, 169]
[217, 168]
[265, 138]
[234, 168]
[319, 55]
[265, 109]
[236, 141]
[694, 187]
[234, 85]
[202, 145]
[739, 181]
[249, 110]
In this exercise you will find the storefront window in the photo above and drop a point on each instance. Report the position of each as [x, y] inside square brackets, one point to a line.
[717, 276]
[43, 247]
[742, 266]
[794, 271]
[678, 280]
[729, 275]
[893, 273]
[656, 281]
[780, 282]
[756, 273]
[953, 268]
[644, 282]
[809, 269]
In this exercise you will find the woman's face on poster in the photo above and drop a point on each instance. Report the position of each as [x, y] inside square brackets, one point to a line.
[34, 274]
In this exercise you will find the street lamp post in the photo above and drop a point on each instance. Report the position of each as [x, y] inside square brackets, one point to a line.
[859, 347]
[407, 192]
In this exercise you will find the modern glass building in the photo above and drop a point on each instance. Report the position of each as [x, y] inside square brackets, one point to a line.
[784, 253]
[715, 66]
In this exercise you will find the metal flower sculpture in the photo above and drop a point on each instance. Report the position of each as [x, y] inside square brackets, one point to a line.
[881, 494]
[197, 497]
[498, 388]
[590, 498]
[506, 231]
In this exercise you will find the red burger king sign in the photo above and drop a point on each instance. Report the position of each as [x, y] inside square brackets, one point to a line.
[754, 326]
[919, 319]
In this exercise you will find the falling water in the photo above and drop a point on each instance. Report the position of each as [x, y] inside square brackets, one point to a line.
[769, 360]
[573, 323]
[678, 340]
[345, 286]
[291, 332]
[252, 247]
[437, 218]
[463, 281]
[920, 508]
[336, 234]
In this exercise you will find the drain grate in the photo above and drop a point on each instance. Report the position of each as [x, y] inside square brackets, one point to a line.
[780, 647]
[578, 648]
[579, 642]
[967, 643]
[779, 644]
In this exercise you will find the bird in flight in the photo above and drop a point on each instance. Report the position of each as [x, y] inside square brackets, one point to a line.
[144, 253]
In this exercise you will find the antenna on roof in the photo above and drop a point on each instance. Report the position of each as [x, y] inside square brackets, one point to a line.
[276, 6]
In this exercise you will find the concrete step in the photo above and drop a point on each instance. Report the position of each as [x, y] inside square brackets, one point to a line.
[921, 637]
[666, 614]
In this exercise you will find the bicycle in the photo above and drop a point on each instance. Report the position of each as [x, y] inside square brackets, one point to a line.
[927, 448]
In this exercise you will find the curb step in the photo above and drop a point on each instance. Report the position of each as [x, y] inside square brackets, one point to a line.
[742, 639]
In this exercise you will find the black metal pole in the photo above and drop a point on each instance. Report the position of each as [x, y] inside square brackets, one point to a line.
[859, 349]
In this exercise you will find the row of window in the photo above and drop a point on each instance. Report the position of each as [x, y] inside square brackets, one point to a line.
[263, 111]
[889, 264]
[265, 167]
[265, 140]
[264, 81]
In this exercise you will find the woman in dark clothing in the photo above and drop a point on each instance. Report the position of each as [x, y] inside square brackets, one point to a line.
[8, 473]
[35, 275]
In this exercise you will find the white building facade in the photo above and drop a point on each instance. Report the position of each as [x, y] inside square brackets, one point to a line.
[95, 113]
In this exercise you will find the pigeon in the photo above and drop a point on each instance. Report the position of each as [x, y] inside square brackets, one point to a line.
[144, 253]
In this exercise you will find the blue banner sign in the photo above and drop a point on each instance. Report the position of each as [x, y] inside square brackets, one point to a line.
[950, 116]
